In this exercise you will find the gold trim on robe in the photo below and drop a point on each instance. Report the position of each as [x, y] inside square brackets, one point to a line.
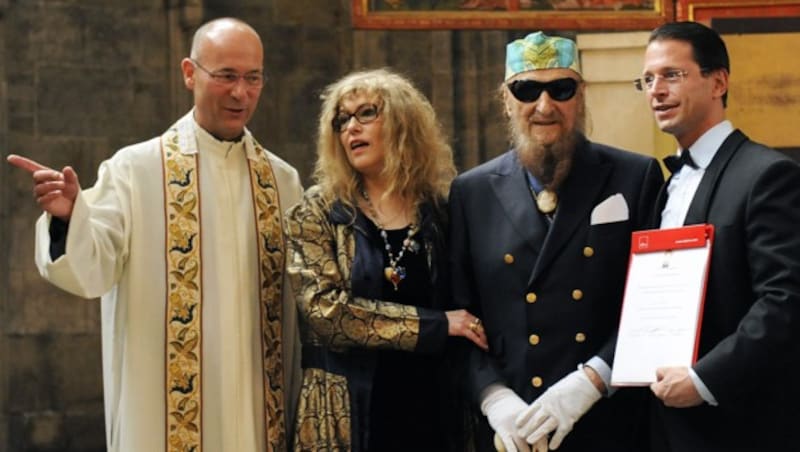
[271, 254]
[184, 296]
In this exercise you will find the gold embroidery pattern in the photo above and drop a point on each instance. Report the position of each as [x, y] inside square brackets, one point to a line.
[269, 234]
[325, 407]
[184, 295]
[321, 257]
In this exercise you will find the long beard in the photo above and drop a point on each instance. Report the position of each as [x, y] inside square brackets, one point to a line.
[549, 163]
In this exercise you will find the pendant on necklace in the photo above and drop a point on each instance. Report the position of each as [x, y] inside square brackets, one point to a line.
[394, 275]
[546, 201]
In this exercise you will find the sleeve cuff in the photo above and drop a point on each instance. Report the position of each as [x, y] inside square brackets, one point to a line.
[58, 237]
[432, 331]
[702, 389]
[491, 393]
[604, 371]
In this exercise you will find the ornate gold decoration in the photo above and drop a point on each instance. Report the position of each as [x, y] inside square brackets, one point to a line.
[323, 421]
[271, 254]
[184, 296]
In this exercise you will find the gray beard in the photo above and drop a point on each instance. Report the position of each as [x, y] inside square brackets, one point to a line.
[550, 164]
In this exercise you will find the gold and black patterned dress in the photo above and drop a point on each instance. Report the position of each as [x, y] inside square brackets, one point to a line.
[375, 373]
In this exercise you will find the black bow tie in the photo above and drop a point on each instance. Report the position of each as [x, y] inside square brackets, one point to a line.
[674, 163]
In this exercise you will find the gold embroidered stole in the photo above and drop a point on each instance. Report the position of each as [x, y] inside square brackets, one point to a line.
[271, 264]
[184, 296]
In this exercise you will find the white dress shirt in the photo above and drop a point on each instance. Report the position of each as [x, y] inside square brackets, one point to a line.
[681, 190]
[684, 183]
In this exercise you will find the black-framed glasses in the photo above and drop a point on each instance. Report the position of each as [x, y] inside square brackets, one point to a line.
[364, 114]
[529, 90]
[253, 79]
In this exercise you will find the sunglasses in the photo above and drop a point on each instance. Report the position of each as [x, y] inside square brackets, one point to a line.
[529, 90]
[364, 114]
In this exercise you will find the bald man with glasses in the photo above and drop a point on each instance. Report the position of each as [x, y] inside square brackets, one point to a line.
[181, 237]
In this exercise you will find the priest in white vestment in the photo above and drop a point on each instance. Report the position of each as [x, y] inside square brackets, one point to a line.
[181, 237]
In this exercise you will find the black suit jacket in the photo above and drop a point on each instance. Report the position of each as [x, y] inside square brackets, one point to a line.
[750, 334]
[549, 304]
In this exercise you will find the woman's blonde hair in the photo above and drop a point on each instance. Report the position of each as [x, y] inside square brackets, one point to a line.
[418, 161]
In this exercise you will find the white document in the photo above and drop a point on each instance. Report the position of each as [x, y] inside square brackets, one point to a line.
[661, 313]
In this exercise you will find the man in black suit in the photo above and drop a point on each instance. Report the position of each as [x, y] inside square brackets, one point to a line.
[540, 239]
[742, 393]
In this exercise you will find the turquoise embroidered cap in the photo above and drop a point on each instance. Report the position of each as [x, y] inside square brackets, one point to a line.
[539, 51]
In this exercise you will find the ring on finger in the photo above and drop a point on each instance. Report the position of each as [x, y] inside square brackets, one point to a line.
[475, 324]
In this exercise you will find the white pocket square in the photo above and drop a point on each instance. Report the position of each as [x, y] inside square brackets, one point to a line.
[612, 210]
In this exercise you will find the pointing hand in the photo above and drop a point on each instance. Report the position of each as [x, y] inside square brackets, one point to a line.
[55, 191]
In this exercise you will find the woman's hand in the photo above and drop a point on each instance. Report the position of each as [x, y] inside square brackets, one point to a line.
[462, 323]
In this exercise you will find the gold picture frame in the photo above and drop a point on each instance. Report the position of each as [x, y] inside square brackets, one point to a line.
[596, 15]
[705, 10]
[762, 38]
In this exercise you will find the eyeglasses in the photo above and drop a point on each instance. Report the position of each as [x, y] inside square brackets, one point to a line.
[253, 79]
[671, 76]
[529, 90]
[364, 114]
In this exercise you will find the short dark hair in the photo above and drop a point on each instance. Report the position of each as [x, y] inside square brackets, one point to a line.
[708, 48]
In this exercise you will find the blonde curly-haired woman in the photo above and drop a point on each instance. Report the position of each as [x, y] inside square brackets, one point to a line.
[369, 267]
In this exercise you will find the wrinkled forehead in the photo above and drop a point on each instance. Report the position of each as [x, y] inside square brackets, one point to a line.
[546, 75]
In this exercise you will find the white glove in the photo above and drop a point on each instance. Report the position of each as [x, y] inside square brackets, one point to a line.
[540, 446]
[558, 409]
[501, 406]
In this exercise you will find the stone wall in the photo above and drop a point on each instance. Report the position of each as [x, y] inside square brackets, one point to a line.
[4, 233]
[81, 78]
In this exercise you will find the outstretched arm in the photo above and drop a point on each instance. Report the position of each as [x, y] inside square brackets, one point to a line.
[87, 257]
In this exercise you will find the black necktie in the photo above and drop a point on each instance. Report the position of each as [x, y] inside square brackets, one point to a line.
[674, 163]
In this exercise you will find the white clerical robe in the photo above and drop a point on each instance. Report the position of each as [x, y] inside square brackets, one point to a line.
[116, 249]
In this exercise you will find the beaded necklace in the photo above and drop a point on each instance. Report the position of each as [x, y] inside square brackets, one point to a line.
[394, 273]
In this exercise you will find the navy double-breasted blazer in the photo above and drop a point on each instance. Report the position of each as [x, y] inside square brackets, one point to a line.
[550, 300]
[749, 354]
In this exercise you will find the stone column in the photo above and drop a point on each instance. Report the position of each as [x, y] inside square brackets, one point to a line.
[183, 16]
[4, 210]
[442, 79]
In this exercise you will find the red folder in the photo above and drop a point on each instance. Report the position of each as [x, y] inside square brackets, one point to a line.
[662, 308]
